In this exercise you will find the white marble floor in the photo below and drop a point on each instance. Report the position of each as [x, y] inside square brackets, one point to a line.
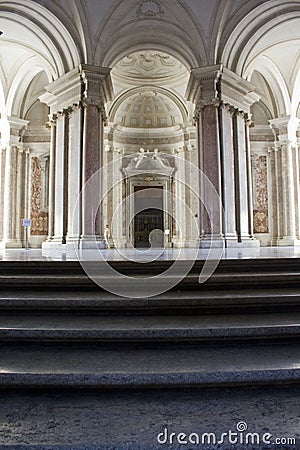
[147, 255]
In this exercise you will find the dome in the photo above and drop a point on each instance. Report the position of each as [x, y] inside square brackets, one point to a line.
[148, 109]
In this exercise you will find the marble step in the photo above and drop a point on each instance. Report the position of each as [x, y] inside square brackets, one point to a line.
[152, 366]
[217, 280]
[88, 328]
[175, 301]
[243, 273]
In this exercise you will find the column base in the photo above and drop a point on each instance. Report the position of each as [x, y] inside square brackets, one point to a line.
[231, 240]
[184, 243]
[52, 244]
[244, 243]
[118, 243]
[91, 242]
[72, 243]
[289, 241]
[212, 241]
[12, 243]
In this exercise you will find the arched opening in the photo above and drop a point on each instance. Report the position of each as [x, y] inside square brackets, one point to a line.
[36, 48]
[264, 49]
[149, 135]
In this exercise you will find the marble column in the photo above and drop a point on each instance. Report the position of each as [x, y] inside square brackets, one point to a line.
[20, 168]
[9, 193]
[60, 179]
[224, 99]
[12, 186]
[276, 192]
[27, 183]
[227, 156]
[248, 124]
[296, 166]
[119, 239]
[74, 175]
[51, 201]
[242, 181]
[286, 138]
[180, 191]
[212, 194]
[90, 166]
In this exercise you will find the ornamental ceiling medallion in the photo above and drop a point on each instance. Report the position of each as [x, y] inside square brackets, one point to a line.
[149, 8]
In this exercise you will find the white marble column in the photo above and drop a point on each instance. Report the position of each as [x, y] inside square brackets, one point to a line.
[192, 229]
[241, 177]
[74, 175]
[227, 151]
[60, 181]
[27, 183]
[248, 124]
[287, 140]
[180, 192]
[242, 185]
[296, 166]
[119, 239]
[12, 184]
[20, 166]
[52, 158]
[9, 193]
[276, 193]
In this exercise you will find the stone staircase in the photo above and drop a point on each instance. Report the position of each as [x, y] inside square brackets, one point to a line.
[58, 329]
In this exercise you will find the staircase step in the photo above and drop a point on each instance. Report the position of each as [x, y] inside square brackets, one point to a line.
[65, 327]
[176, 301]
[237, 274]
[131, 366]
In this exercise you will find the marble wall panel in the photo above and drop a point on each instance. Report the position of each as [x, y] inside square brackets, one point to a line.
[39, 218]
[260, 213]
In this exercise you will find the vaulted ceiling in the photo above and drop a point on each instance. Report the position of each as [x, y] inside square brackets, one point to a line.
[258, 39]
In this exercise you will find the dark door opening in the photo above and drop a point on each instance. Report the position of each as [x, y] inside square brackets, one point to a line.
[149, 218]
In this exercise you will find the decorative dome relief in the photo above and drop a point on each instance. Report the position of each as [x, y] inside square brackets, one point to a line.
[149, 65]
[149, 8]
[148, 109]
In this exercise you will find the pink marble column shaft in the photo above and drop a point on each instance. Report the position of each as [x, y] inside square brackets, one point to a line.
[91, 164]
[212, 169]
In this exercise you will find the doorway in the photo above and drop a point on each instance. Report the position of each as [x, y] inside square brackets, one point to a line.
[149, 216]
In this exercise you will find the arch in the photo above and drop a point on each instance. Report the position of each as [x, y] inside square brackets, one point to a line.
[18, 88]
[52, 39]
[275, 79]
[296, 91]
[241, 39]
[125, 95]
[180, 37]
[2, 100]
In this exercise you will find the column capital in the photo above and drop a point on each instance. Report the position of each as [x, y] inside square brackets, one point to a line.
[285, 129]
[84, 84]
[97, 84]
[17, 129]
[217, 83]
[202, 85]
[51, 120]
